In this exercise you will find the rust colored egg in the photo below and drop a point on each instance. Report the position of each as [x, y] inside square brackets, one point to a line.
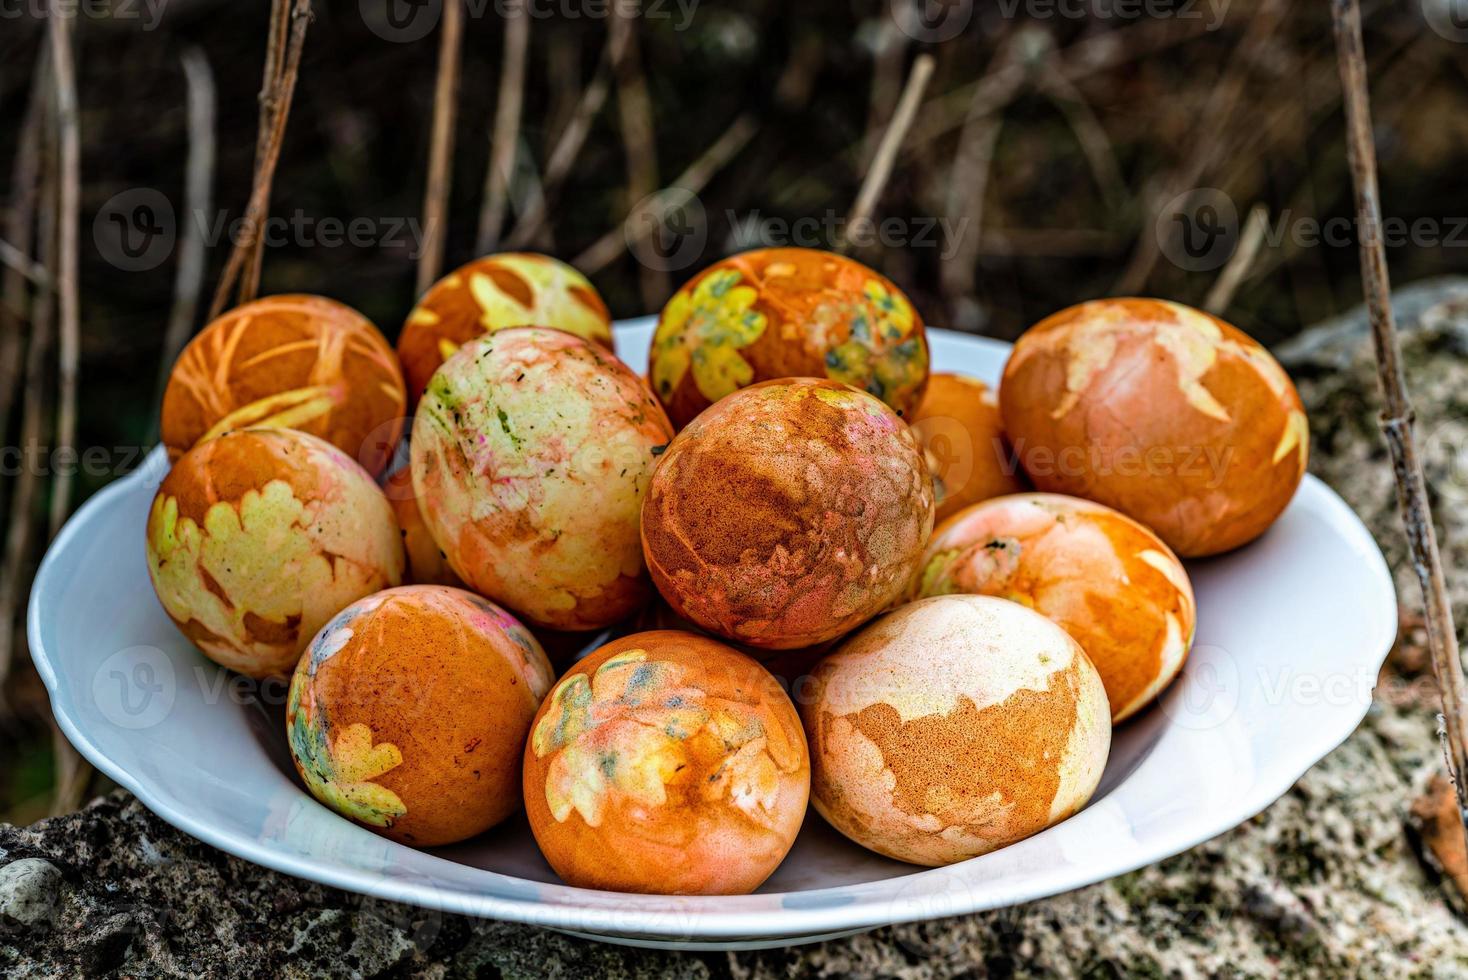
[258, 537]
[952, 727]
[666, 763]
[427, 564]
[294, 362]
[788, 514]
[1168, 414]
[783, 313]
[1105, 579]
[408, 713]
[531, 452]
[511, 289]
[963, 443]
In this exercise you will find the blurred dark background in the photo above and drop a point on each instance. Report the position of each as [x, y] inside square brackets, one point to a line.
[1063, 150]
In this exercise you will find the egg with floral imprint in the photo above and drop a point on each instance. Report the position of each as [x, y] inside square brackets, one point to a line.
[666, 763]
[788, 513]
[782, 313]
[963, 442]
[1168, 414]
[292, 361]
[1105, 579]
[408, 713]
[510, 289]
[531, 452]
[952, 727]
[257, 537]
[427, 564]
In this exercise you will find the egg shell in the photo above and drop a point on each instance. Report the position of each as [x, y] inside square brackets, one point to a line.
[1163, 412]
[409, 711]
[292, 361]
[781, 313]
[954, 726]
[510, 289]
[788, 514]
[1105, 579]
[531, 453]
[427, 564]
[963, 443]
[667, 763]
[258, 537]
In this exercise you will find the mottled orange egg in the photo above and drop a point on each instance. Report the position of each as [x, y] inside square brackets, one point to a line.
[666, 763]
[1166, 413]
[1105, 579]
[257, 537]
[782, 313]
[954, 726]
[511, 289]
[427, 564]
[963, 443]
[788, 513]
[531, 452]
[293, 361]
[408, 713]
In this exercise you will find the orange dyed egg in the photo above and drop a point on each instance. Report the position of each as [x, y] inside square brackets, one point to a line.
[294, 361]
[666, 763]
[963, 443]
[788, 513]
[1168, 414]
[427, 564]
[531, 452]
[952, 727]
[408, 713]
[512, 289]
[258, 537]
[1105, 579]
[782, 313]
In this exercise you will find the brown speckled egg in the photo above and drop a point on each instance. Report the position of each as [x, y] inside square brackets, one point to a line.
[511, 289]
[531, 452]
[296, 362]
[954, 726]
[1107, 580]
[788, 513]
[1168, 414]
[427, 564]
[666, 763]
[408, 713]
[258, 537]
[963, 442]
[782, 313]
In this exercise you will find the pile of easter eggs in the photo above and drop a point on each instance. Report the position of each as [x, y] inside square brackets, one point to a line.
[762, 500]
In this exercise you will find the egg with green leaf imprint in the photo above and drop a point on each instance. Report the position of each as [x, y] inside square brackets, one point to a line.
[787, 312]
[409, 711]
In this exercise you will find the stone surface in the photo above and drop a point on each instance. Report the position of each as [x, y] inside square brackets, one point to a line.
[1336, 879]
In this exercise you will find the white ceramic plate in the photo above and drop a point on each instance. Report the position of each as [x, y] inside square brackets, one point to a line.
[1291, 633]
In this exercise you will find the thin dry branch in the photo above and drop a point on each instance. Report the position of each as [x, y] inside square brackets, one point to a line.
[269, 98]
[255, 211]
[67, 272]
[1397, 414]
[639, 141]
[506, 132]
[441, 146]
[886, 155]
[188, 281]
[890, 53]
[1240, 263]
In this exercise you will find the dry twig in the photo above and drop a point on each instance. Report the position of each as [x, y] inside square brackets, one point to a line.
[270, 102]
[1397, 414]
[886, 155]
[441, 146]
[1239, 263]
[67, 272]
[506, 133]
[639, 141]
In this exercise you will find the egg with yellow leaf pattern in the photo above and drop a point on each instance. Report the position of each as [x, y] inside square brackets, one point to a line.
[257, 537]
[1170, 415]
[666, 763]
[784, 313]
[409, 710]
[511, 289]
[292, 361]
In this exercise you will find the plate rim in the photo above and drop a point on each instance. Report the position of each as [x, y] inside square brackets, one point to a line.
[700, 913]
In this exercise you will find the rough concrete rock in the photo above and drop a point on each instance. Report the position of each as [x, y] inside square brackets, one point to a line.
[1329, 881]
